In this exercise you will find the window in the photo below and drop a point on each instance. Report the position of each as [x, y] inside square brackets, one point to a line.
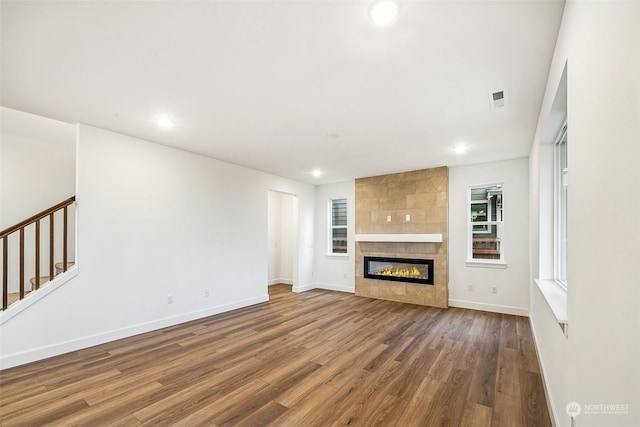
[338, 226]
[486, 223]
[560, 206]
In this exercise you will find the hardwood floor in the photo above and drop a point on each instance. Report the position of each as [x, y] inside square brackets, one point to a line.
[319, 358]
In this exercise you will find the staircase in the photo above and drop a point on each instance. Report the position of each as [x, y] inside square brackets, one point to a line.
[13, 240]
[15, 296]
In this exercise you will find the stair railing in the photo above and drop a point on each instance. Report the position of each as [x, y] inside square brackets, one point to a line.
[19, 228]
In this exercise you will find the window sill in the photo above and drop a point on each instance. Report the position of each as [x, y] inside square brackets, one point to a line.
[338, 256]
[556, 297]
[485, 264]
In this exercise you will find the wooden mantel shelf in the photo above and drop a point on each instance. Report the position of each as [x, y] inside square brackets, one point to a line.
[407, 238]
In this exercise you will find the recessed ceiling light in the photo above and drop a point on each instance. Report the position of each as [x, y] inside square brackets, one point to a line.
[331, 136]
[384, 11]
[317, 173]
[165, 123]
[460, 148]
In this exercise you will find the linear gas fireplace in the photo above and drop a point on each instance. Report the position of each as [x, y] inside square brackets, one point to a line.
[399, 269]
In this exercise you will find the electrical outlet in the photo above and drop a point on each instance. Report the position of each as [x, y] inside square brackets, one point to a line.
[206, 292]
[470, 287]
[346, 275]
[494, 290]
[170, 299]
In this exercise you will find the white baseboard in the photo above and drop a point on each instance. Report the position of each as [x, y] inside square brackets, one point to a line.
[29, 356]
[279, 281]
[545, 385]
[332, 287]
[303, 288]
[493, 308]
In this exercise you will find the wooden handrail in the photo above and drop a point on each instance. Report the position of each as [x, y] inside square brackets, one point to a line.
[37, 217]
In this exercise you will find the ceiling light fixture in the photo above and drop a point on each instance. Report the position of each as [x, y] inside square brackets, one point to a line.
[165, 123]
[317, 173]
[460, 148]
[384, 11]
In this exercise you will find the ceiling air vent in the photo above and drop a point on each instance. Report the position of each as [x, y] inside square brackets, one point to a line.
[498, 99]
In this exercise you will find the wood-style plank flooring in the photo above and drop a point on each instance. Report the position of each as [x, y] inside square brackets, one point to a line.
[319, 358]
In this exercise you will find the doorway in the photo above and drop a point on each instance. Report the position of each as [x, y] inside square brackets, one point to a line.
[283, 249]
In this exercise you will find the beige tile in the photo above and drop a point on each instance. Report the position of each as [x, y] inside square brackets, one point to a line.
[440, 275]
[421, 200]
[370, 204]
[360, 182]
[442, 199]
[424, 185]
[393, 177]
[426, 250]
[430, 227]
[373, 180]
[363, 217]
[380, 217]
[431, 172]
[440, 184]
[392, 201]
[373, 229]
[401, 228]
[417, 216]
[402, 188]
[442, 295]
[436, 214]
[374, 191]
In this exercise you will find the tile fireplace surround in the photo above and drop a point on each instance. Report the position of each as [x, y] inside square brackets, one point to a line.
[404, 203]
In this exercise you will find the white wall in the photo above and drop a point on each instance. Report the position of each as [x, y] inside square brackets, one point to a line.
[37, 171]
[597, 364]
[282, 236]
[37, 156]
[153, 222]
[331, 271]
[512, 281]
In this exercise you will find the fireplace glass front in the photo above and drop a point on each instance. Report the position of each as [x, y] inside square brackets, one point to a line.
[399, 269]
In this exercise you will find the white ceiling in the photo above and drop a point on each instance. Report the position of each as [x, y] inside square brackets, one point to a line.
[262, 83]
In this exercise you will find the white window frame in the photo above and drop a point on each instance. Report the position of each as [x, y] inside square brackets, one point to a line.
[330, 247]
[485, 223]
[560, 186]
[499, 223]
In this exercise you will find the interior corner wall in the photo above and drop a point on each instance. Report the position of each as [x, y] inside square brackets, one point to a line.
[156, 222]
[511, 282]
[334, 272]
[597, 363]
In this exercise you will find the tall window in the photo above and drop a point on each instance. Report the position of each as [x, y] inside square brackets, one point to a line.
[486, 221]
[338, 226]
[561, 184]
